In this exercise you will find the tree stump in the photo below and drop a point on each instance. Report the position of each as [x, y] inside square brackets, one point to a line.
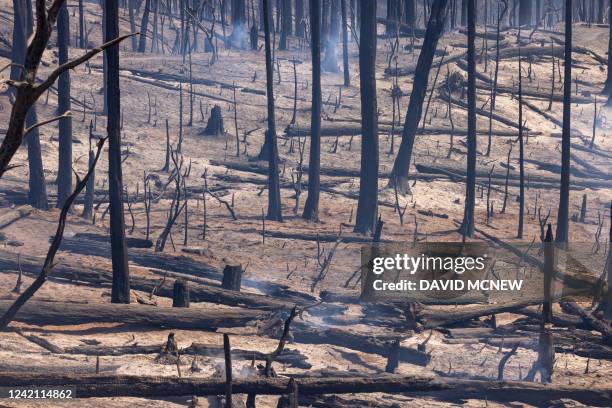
[393, 357]
[232, 277]
[180, 295]
[214, 126]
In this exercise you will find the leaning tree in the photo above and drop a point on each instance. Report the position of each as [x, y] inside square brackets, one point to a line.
[435, 26]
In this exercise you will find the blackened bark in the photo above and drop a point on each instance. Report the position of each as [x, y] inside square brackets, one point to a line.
[22, 28]
[347, 76]
[81, 25]
[37, 193]
[64, 173]
[464, 13]
[311, 208]
[409, 12]
[142, 44]
[299, 17]
[238, 23]
[121, 275]
[470, 191]
[601, 9]
[435, 26]
[563, 213]
[286, 26]
[132, 18]
[608, 86]
[274, 202]
[525, 8]
[367, 207]
[521, 150]
[91, 182]
[330, 62]
[393, 14]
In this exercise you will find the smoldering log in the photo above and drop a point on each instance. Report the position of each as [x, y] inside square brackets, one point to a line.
[62, 313]
[89, 386]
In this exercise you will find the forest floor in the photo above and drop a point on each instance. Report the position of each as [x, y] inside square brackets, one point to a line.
[157, 77]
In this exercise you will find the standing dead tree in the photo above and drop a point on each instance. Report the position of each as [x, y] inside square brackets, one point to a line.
[367, 207]
[274, 201]
[500, 16]
[415, 106]
[521, 149]
[27, 90]
[563, 213]
[311, 207]
[468, 224]
[55, 244]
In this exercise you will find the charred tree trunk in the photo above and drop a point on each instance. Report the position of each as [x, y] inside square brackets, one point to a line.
[367, 207]
[299, 17]
[525, 9]
[608, 86]
[81, 25]
[238, 23]
[521, 150]
[22, 29]
[311, 208]
[132, 18]
[37, 193]
[409, 12]
[121, 274]
[345, 57]
[601, 9]
[64, 172]
[330, 62]
[286, 27]
[142, 44]
[401, 166]
[91, 182]
[470, 191]
[563, 213]
[393, 14]
[274, 202]
[464, 13]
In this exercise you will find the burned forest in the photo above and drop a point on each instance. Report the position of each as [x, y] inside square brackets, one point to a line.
[305, 203]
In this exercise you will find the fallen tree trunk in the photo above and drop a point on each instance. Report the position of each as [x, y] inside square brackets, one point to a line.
[292, 358]
[181, 264]
[14, 214]
[583, 284]
[99, 277]
[431, 318]
[534, 180]
[366, 343]
[333, 131]
[149, 387]
[61, 313]
[593, 322]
